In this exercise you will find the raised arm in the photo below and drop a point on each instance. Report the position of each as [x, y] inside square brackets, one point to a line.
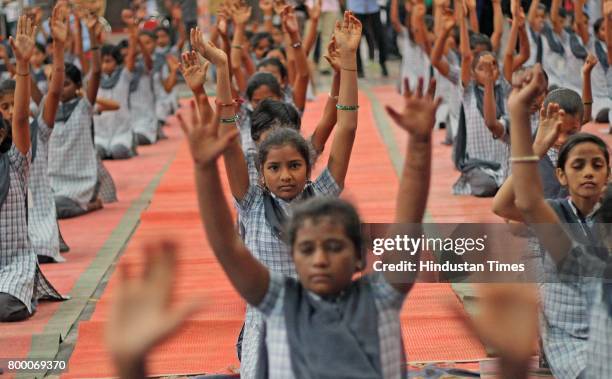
[395, 20]
[532, 13]
[177, 21]
[78, 42]
[418, 26]
[95, 37]
[471, 9]
[489, 108]
[23, 47]
[330, 114]
[267, 8]
[7, 60]
[546, 136]
[240, 16]
[128, 18]
[418, 119]
[518, 26]
[250, 278]
[464, 48]
[587, 94]
[59, 31]
[194, 72]
[437, 59]
[498, 25]
[580, 19]
[554, 13]
[348, 35]
[311, 35]
[527, 184]
[173, 65]
[302, 72]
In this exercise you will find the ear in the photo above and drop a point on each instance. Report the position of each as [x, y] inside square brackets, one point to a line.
[561, 176]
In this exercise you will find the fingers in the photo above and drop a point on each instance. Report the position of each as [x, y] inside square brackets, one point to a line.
[419, 92]
[395, 116]
[407, 92]
[431, 89]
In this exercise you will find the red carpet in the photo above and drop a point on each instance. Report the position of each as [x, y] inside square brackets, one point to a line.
[206, 344]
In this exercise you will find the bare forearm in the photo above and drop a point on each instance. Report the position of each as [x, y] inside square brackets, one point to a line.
[21, 108]
[587, 97]
[130, 60]
[325, 126]
[302, 72]
[414, 185]
[55, 86]
[438, 50]
[490, 111]
[474, 20]
[509, 53]
[311, 35]
[524, 49]
[498, 25]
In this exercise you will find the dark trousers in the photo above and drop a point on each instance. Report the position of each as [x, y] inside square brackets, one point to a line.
[375, 36]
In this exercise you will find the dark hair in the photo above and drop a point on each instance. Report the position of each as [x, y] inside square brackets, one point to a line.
[480, 39]
[526, 68]
[263, 79]
[597, 25]
[605, 212]
[40, 47]
[274, 62]
[164, 29]
[281, 137]
[123, 44]
[562, 12]
[261, 36]
[7, 87]
[148, 33]
[568, 100]
[74, 74]
[279, 48]
[317, 208]
[112, 51]
[271, 114]
[480, 55]
[578, 139]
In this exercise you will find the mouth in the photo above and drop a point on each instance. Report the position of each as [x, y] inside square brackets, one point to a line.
[589, 185]
[320, 279]
[286, 188]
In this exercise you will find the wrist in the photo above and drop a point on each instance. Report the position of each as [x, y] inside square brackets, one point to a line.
[22, 66]
[539, 149]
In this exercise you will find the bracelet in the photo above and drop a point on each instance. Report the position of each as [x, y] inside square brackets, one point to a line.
[229, 120]
[237, 47]
[267, 17]
[348, 69]
[19, 74]
[347, 107]
[220, 104]
[333, 97]
[588, 103]
[297, 45]
[527, 159]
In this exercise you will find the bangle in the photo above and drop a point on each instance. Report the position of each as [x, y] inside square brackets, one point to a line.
[297, 45]
[237, 47]
[526, 159]
[20, 74]
[588, 103]
[267, 17]
[229, 120]
[348, 69]
[219, 103]
[333, 97]
[347, 107]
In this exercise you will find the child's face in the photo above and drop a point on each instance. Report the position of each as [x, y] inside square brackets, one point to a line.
[163, 39]
[272, 69]
[285, 172]
[601, 34]
[324, 257]
[109, 64]
[262, 93]
[585, 24]
[559, 23]
[277, 36]
[586, 172]
[69, 91]
[148, 43]
[7, 102]
[540, 18]
[480, 71]
[262, 47]
[275, 53]
[570, 125]
[38, 58]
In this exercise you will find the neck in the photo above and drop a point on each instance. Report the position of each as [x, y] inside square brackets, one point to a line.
[584, 204]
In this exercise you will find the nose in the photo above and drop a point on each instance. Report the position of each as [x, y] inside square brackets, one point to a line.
[285, 175]
[320, 258]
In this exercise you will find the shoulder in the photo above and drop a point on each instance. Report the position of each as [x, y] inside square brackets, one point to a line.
[273, 300]
[326, 184]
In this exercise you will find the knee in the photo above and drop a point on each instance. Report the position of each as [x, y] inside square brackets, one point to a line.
[141, 139]
[121, 152]
[102, 152]
[67, 208]
[12, 309]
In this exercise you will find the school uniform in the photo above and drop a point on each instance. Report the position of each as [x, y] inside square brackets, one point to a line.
[360, 329]
[263, 240]
[567, 298]
[39, 77]
[601, 98]
[576, 53]
[114, 136]
[42, 218]
[20, 277]
[142, 106]
[244, 126]
[447, 88]
[72, 158]
[166, 103]
[415, 62]
[535, 47]
[482, 159]
[554, 56]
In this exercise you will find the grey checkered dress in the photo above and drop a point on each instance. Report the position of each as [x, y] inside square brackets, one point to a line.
[598, 352]
[244, 126]
[272, 252]
[19, 272]
[480, 143]
[73, 169]
[567, 297]
[107, 192]
[114, 128]
[388, 304]
[42, 219]
[143, 118]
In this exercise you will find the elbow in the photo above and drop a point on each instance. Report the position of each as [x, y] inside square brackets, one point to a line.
[524, 206]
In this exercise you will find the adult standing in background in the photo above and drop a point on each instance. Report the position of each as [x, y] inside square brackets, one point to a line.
[368, 12]
[330, 9]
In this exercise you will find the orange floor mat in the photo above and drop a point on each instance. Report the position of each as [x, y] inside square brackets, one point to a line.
[371, 183]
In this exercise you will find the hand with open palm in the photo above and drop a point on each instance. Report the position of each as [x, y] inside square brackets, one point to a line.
[59, 23]
[208, 49]
[333, 55]
[348, 33]
[549, 128]
[193, 71]
[23, 43]
[419, 114]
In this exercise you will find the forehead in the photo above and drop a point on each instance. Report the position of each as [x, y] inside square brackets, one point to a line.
[273, 69]
[7, 98]
[263, 91]
[320, 228]
[263, 42]
[284, 153]
[586, 150]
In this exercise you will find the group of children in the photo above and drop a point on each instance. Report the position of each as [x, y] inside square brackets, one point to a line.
[296, 253]
[63, 110]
